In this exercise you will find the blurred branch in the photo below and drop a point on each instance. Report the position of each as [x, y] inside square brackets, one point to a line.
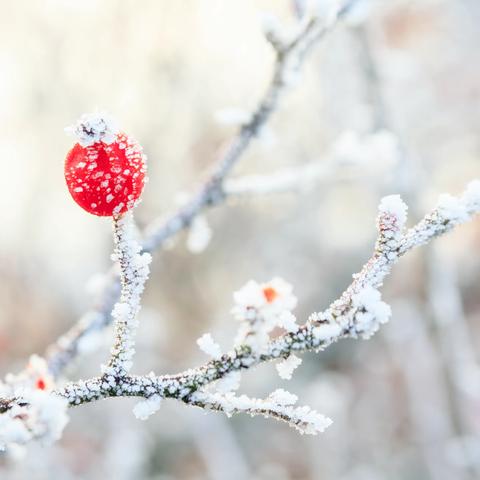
[292, 179]
[289, 59]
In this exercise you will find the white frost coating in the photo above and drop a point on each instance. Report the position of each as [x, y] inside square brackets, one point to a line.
[471, 197]
[326, 331]
[199, 235]
[229, 383]
[271, 297]
[41, 415]
[134, 272]
[209, 346]
[262, 307]
[371, 311]
[249, 296]
[142, 410]
[278, 405]
[94, 127]
[282, 397]
[287, 321]
[35, 376]
[286, 368]
[452, 208]
[394, 205]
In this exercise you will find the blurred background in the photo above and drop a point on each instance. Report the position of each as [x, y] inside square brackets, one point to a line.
[391, 99]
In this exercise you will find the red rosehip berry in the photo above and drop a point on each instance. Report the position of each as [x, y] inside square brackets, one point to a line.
[105, 170]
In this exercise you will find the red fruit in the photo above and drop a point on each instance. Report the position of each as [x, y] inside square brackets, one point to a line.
[105, 179]
[41, 384]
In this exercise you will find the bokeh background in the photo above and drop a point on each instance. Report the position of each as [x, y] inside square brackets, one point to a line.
[394, 92]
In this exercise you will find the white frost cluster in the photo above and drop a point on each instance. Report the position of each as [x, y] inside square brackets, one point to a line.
[278, 405]
[471, 197]
[35, 413]
[371, 312]
[229, 383]
[142, 410]
[209, 346]
[286, 368]
[449, 212]
[94, 127]
[282, 397]
[199, 235]
[134, 266]
[35, 376]
[325, 332]
[261, 308]
[452, 208]
[460, 209]
[394, 206]
[43, 417]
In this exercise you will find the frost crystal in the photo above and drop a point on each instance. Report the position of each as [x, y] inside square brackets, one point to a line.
[471, 196]
[452, 208]
[261, 308]
[394, 205]
[134, 267]
[282, 397]
[229, 383]
[142, 410]
[278, 405]
[275, 295]
[287, 321]
[208, 346]
[94, 127]
[36, 415]
[326, 331]
[371, 311]
[286, 368]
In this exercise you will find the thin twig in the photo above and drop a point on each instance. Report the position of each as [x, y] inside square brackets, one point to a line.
[133, 275]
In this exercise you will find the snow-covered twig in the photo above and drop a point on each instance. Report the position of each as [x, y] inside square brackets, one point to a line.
[279, 406]
[134, 272]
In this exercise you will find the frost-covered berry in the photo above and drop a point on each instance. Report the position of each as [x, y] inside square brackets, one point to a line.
[105, 170]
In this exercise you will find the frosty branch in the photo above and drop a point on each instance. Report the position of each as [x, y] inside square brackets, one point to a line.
[133, 275]
[259, 308]
[290, 55]
[105, 174]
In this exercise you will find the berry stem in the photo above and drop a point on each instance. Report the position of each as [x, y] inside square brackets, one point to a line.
[134, 271]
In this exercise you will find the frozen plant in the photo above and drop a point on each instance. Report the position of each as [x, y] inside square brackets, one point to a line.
[105, 174]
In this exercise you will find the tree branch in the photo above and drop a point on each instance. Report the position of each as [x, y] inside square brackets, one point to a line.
[358, 312]
[133, 275]
[289, 59]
